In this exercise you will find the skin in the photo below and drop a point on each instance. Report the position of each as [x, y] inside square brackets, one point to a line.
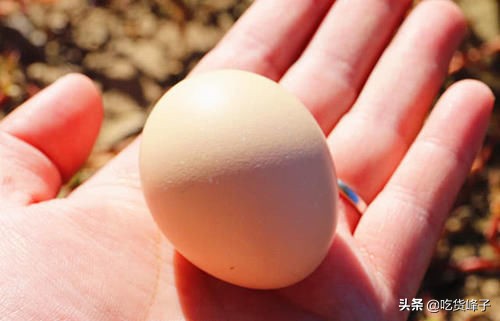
[97, 254]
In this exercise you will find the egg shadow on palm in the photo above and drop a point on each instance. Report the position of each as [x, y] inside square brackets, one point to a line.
[339, 285]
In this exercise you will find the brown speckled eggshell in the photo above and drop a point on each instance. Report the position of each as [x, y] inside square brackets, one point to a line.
[238, 176]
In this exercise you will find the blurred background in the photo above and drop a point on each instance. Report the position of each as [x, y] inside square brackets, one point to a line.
[136, 49]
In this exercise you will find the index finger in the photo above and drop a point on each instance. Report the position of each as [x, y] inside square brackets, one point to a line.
[265, 40]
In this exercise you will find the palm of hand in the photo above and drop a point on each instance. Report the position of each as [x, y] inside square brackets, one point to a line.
[97, 254]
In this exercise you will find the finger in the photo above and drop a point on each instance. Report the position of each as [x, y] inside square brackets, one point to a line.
[44, 141]
[331, 71]
[401, 227]
[265, 40]
[372, 138]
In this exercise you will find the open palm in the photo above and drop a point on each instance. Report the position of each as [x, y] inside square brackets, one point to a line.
[97, 254]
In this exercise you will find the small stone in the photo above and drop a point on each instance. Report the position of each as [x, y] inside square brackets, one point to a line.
[111, 66]
[38, 38]
[37, 15]
[453, 225]
[483, 17]
[146, 25]
[200, 37]
[151, 90]
[481, 224]
[91, 32]
[442, 249]
[461, 252]
[47, 74]
[149, 57]
[471, 285]
[490, 288]
[123, 117]
[52, 49]
[487, 251]
[20, 23]
[169, 35]
[57, 21]
[120, 69]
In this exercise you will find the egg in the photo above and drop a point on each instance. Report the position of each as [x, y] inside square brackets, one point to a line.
[238, 176]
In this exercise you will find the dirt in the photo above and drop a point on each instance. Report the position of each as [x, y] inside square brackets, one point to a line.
[108, 40]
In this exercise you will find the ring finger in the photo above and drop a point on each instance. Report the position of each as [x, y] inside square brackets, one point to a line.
[372, 138]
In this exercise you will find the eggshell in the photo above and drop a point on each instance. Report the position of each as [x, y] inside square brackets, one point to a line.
[238, 176]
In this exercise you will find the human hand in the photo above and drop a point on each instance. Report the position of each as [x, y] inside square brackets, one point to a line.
[97, 254]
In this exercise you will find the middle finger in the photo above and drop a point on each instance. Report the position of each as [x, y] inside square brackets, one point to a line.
[330, 73]
[370, 141]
